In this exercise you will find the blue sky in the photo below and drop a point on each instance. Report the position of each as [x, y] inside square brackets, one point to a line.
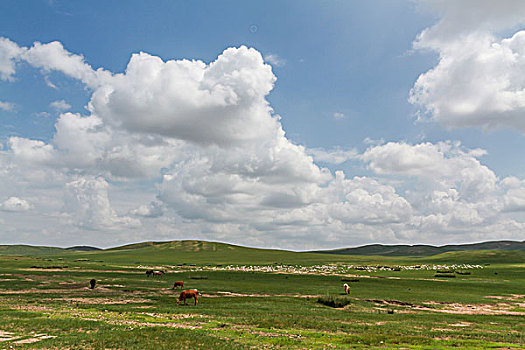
[403, 122]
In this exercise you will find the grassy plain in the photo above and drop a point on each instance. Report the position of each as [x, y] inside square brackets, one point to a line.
[259, 299]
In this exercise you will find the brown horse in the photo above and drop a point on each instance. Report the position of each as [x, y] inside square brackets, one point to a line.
[188, 294]
[154, 273]
[177, 284]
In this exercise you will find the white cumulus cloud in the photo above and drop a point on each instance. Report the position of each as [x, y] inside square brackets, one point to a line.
[478, 81]
[60, 105]
[15, 204]
[9, 54]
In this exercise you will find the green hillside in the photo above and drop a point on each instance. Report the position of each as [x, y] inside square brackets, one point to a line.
[29, 250]
[480, 256]
[201, 252]
[191, 252]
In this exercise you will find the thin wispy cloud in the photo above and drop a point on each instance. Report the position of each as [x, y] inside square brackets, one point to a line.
[339, 116]
[275, 60]
[6, 106]
[60, 105]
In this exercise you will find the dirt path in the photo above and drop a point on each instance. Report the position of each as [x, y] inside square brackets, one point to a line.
[455, 308]
[219, 294]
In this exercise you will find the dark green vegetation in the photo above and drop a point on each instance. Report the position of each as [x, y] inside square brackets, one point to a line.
[255, 298]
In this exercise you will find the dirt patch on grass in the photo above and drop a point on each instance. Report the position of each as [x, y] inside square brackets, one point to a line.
[68, 288]
[34, 339]
[34, 308]
[106, 301]
[474, 309]
[134, 272]
[455, 308]
[6, 336]
[32, 277]
[136, 323]
[461, 324]
[22, 339]
[510, 297]
[231, 294]
[175, 317]
[390, 302]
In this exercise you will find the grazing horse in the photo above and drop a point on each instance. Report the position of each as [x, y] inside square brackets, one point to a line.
[92, 283]
[188, 294]
[177, 284]
[347, 288]
[154, 273]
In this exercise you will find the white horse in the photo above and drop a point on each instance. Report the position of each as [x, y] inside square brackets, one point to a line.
[347, 288]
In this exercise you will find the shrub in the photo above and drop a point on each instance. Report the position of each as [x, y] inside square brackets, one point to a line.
[332, 301]
[347, 279]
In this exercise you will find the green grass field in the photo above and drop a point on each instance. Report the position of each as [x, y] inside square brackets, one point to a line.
[254, 298]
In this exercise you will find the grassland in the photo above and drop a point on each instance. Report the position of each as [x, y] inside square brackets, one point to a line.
[259, 299]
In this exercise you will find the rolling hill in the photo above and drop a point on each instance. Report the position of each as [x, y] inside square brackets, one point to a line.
[190, 252]
[425, 250]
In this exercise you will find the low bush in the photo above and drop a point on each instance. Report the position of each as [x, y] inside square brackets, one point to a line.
[333, 301]
[347, 279]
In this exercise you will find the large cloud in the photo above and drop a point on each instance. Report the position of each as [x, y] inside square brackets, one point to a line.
[221, 103]
[171, 147]
[479, 78]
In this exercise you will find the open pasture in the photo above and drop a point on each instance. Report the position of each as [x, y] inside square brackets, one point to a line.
[269, 300]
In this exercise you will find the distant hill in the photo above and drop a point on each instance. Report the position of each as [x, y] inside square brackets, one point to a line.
[425, 250]
[83, 248]
[190, 252]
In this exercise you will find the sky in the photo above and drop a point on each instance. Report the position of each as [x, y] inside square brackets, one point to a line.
[289, 124]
